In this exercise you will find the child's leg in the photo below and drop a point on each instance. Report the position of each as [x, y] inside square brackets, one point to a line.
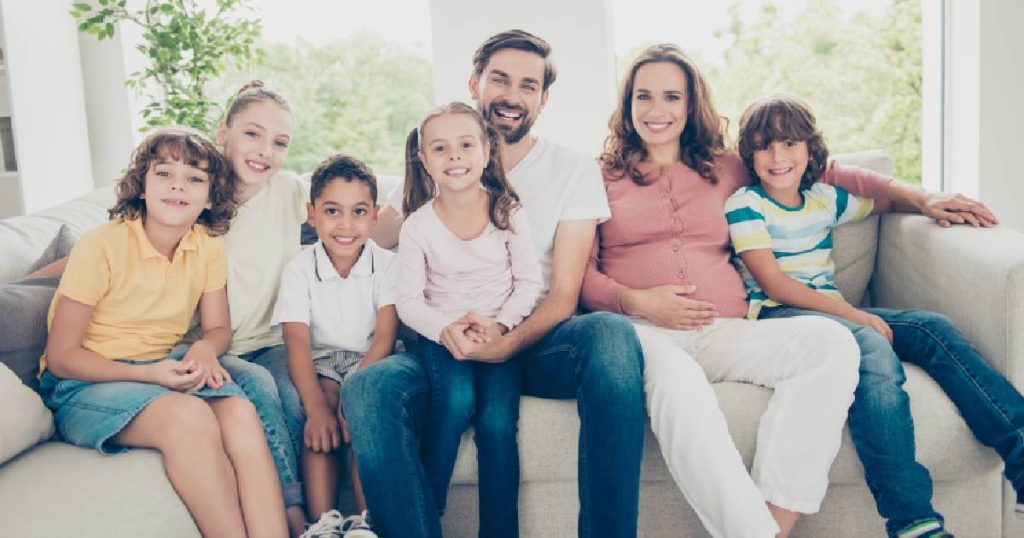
[498, 389]
[261, 389]
[451, 406]
[259, 491]
[357, 485]
[320, 469]
[992, 408]
[186, 432]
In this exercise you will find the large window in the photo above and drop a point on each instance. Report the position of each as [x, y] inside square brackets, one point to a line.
[358, 75]
[858, 64]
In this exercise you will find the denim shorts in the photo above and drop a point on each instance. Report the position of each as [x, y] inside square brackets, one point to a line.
[88, 414]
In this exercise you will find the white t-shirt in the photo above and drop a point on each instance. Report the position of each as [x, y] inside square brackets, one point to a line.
[341, 312]
[554, 184]
[263, 238]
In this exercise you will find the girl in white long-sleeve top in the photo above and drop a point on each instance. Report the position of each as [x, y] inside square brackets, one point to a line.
[467, 272]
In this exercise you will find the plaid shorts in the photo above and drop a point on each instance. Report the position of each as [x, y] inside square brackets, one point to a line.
[337, 365]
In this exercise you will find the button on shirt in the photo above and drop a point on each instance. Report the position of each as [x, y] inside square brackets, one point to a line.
[341, 312]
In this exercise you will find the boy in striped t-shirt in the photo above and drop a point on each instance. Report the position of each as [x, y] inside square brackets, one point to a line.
[781, 230]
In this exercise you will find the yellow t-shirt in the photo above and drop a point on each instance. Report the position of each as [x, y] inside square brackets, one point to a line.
[263, 238]
[142, 302]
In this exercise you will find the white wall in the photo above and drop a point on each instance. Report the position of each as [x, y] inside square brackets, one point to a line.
[47, 102]
[579, 32]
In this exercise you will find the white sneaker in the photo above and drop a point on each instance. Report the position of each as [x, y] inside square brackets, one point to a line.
[357, 526]
[329, 526]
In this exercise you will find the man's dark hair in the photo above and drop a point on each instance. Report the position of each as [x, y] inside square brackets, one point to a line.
[343, 167]
[519, 40]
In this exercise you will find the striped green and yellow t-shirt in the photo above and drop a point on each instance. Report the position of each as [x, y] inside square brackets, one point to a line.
[800, 237]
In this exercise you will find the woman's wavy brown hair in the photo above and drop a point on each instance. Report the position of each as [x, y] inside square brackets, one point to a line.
[782, 117]
[192, 148]
[420, 187]
[702, 139]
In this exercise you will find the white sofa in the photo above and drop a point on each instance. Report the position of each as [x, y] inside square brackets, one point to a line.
[974, 276]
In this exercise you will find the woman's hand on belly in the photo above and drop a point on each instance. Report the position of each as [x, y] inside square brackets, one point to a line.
[669, 306]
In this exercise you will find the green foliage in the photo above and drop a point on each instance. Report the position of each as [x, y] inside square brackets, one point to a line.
[187, 46]
[359, 95]
[861, 74]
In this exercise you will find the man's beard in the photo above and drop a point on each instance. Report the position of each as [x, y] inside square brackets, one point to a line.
[508, 133]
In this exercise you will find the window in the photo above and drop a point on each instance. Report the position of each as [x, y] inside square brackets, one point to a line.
[358, 75]
[858, 64]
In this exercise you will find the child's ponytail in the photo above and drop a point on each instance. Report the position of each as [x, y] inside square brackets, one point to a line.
[419, 187]
[503, 198]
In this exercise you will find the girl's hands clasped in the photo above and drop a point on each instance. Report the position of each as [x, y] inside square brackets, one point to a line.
[214, 375]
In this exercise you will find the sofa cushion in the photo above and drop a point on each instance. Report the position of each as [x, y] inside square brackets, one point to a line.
[23, 239]
[25, 420]
[855, 244]
[548, 431]
[23, 308]
[57, 489]
[59, 248]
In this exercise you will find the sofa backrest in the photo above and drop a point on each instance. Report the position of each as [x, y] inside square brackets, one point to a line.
[23, 239]
[856, 244]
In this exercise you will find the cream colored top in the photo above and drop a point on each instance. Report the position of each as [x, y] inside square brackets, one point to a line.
[263, 238]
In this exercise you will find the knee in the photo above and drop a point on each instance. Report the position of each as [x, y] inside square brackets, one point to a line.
[240, 426]
[932, 321]
[610, 345]
[495, 423]
[835, 343]
[455, 405]
[879, 363]
[382, 389]
[189, 422]
[257, 383]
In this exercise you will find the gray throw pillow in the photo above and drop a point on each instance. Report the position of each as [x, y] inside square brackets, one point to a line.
[58, 248]
[23, 308]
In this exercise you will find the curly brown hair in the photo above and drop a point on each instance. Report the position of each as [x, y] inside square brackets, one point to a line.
[782, 117]
[420, 187]
[703, 137]
[191, 147]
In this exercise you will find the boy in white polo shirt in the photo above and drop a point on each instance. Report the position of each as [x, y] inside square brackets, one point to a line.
[336, 311]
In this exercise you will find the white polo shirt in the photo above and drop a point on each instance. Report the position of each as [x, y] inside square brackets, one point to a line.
[341, 312]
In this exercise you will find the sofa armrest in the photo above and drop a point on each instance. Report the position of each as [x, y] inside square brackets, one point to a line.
[973, 276]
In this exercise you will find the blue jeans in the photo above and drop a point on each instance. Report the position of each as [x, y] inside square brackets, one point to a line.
[263, 376]
[880, 421]
[594, 358]
[489, 395]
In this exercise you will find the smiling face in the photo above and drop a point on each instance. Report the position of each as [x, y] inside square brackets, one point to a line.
[343, 214]
[453, 152]
[257, 140]
[509, 92]
[659, 106]
[175, 193]
[779, 167]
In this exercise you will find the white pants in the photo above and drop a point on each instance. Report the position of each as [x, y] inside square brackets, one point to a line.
[812, 364]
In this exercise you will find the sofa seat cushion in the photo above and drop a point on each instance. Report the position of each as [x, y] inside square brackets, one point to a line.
[548, 431]
[72, 491]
